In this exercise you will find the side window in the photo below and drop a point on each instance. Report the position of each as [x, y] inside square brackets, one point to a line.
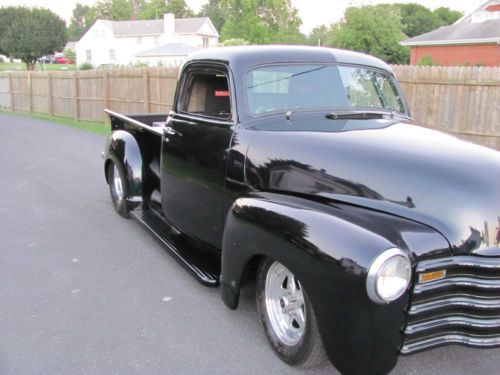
[207, 94]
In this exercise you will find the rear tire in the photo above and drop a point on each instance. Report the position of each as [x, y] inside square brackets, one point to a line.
[118, 189]
[287, 315]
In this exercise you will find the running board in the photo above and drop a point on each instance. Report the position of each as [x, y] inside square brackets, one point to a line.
[183, 252]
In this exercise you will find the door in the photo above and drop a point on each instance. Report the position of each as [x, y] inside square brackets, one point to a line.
[196, 140]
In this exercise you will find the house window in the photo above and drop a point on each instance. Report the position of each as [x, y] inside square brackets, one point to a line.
[139, 40]
[206, 40]
[89, 55]
[112, 55]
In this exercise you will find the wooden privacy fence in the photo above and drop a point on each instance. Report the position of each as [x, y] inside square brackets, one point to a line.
[83, 95]
[461, 100]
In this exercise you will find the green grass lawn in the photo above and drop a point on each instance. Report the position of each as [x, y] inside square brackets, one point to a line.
[90, 126]
[21, 66]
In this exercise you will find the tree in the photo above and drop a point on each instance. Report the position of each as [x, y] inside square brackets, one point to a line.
[137, 7]
[7, 17]
[116, 10]
[447, 16]
[283, 21]
[321, 36]
[179, 8]
[32, 34]
[417, 19]
[83, 18]
[155, 9]
[244, 22]
[262, 21]
[235, 42]
[376, 30]
[216, 12]
[70, 55]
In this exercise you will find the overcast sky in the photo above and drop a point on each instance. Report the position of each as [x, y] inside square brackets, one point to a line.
[312, 12]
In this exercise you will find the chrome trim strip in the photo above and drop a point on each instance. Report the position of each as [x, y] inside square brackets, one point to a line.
[134, 199]
[458, 281]
[139, 124]
[452, 321]
[455, 301]
[470, 340]
[459, 261]
[446, 329]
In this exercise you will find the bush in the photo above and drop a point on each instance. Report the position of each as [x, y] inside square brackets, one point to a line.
[234, 42]
[70, 54]
[86, 66]
[426, 61]
[138, 64]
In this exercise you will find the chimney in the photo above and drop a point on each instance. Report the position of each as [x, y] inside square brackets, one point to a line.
[168, 24]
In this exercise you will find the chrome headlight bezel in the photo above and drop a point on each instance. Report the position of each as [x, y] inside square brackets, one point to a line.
[379, 264]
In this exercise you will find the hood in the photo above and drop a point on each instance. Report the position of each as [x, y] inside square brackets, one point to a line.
[399, 168]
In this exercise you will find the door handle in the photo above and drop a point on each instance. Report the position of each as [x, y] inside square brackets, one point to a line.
[170, 131]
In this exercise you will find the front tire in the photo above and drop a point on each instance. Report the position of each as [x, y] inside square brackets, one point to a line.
[117, 189]
[287, 316]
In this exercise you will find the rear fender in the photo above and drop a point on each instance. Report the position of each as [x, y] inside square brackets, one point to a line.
[123, 150]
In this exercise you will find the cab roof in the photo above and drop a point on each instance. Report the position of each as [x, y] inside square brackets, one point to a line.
[242, 58]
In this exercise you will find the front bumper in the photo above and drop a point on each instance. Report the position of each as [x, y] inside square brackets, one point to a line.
[461, 308]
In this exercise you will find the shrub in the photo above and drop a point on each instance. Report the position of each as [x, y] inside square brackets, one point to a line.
[70, 54]
[86, 66]
[426, 61]
[235, 42]
[138, 64]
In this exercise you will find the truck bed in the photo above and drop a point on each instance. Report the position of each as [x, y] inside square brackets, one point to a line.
[147, 129]
[151, 122]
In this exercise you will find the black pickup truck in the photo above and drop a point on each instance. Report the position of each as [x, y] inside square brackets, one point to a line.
[369, 236]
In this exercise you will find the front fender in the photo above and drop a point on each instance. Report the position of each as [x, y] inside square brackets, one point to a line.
[330, 248]
[123, 150]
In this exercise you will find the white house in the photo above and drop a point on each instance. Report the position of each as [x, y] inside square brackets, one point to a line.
[119, 42]
[171, 54]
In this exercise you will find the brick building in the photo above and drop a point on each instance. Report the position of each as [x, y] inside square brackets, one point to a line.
[472, 40]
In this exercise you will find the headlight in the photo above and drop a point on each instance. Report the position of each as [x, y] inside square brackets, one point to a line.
[388, 276]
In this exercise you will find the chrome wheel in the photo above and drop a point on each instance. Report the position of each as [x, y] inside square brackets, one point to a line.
[117, 183]
[285, 304]
[117, 189]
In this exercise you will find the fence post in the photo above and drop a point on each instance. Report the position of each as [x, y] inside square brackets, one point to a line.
[105, 94]
[30, 106]
[147, 101]
[76, 93]
[50, 95]
[11, 92]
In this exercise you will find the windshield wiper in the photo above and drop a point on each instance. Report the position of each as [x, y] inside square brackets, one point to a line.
[364, 115]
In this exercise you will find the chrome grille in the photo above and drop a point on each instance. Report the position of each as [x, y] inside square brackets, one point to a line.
[461, 308]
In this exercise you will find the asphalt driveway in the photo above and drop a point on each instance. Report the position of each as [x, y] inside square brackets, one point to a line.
[83, 291]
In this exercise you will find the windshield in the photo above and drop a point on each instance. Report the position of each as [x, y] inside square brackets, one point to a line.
[292, 87]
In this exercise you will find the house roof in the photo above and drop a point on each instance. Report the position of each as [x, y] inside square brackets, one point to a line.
[133, 28]
[480, 26]
[170, 49]
[189, 25]
[156, 27]
[70, 45]
[459, 33]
